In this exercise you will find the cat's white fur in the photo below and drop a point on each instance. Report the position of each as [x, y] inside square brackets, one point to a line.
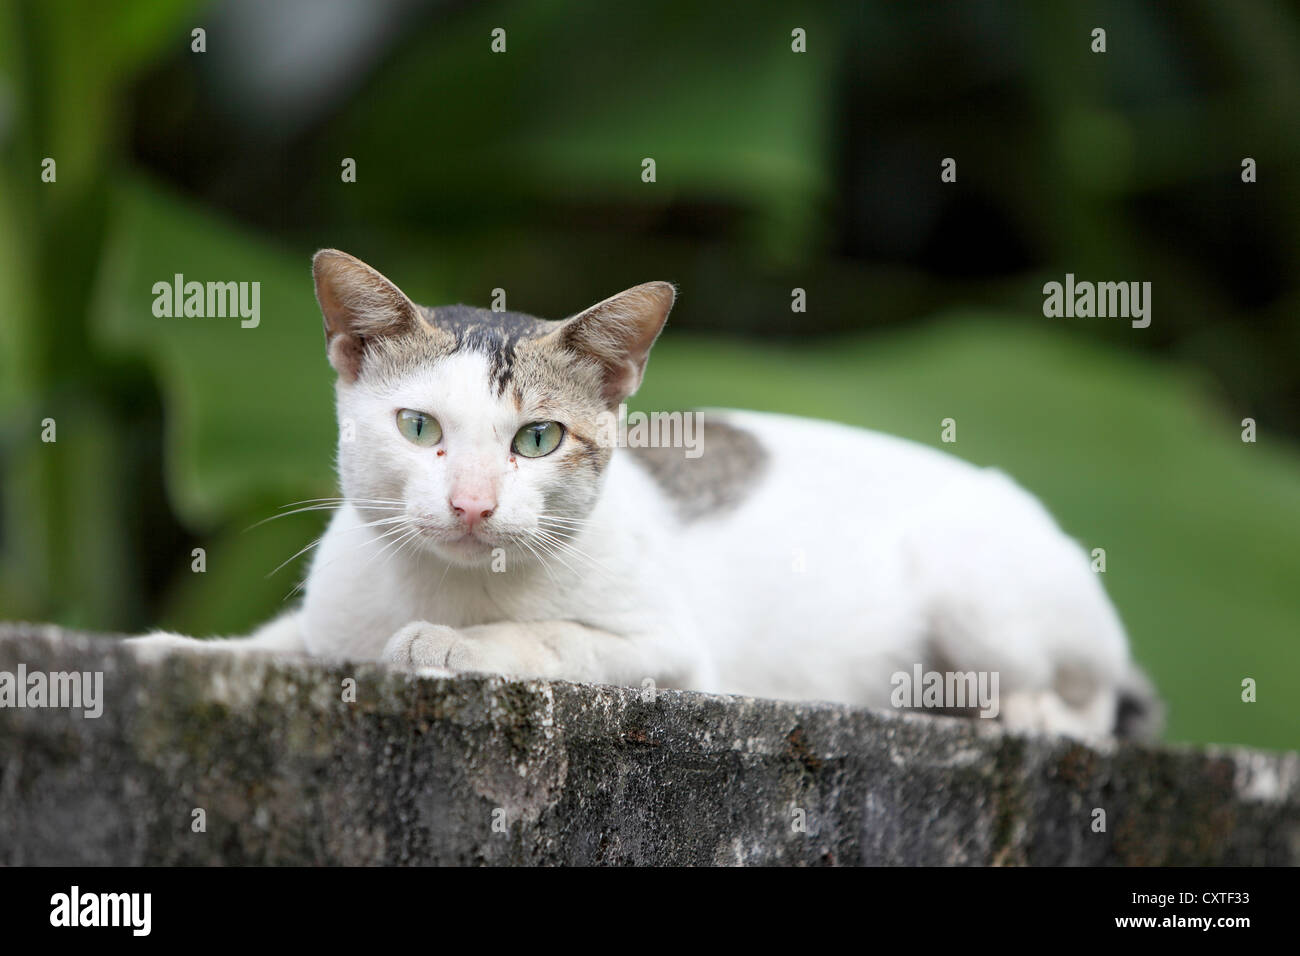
[854, 556]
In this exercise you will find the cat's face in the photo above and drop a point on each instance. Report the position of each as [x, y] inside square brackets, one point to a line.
[463, 431]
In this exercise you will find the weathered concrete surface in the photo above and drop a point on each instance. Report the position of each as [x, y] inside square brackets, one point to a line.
[417, 770]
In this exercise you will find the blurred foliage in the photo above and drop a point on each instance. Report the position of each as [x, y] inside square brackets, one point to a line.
[775, 170]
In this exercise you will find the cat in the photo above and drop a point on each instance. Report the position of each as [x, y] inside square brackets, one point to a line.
[484, 525]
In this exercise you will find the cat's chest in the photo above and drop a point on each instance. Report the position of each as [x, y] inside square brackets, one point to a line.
[353, 605]
[461, 597]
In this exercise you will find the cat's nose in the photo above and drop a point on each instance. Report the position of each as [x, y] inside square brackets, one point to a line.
[471, 509]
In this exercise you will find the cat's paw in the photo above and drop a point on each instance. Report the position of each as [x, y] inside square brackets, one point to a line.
[163, 642]
[430, 648]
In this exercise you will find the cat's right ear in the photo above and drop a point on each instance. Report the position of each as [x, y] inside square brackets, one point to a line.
[357, 303]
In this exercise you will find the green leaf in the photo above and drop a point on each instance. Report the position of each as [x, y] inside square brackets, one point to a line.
[249, 409]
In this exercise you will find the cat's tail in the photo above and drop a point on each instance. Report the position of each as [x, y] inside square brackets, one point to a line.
[1140, 713]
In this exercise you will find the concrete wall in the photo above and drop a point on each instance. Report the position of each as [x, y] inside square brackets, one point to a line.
[478, 770]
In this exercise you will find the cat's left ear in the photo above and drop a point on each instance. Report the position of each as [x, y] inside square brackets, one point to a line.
[618, 333]
[358, 304]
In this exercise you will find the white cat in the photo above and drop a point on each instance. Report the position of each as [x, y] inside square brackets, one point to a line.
[485, 526]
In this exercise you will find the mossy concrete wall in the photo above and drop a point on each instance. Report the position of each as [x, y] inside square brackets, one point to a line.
[475, 770]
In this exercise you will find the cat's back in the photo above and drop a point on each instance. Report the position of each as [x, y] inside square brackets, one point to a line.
[745, 460]
[812, 553]
[769, 493]
[789, 529]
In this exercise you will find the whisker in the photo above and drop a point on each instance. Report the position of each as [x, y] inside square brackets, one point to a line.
[564, 520]
[330, 505]
[558, 541]
[398, 535]
[402, 542]
[368, 524]
[341, 501]
[415, 551]
[541, 559]
[555, 553]
[387, 534]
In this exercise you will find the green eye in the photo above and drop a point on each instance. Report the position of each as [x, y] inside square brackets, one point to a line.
[418, 427]
[538, 439]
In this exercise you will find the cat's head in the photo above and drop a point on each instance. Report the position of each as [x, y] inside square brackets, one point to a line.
[463, 430]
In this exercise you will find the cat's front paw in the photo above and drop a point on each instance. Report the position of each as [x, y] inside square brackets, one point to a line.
[429, 647]
[160, 643]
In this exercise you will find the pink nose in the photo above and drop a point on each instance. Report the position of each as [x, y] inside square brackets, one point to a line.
[471, 509]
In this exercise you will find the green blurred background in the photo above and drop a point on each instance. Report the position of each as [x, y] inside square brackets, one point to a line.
[775, 170]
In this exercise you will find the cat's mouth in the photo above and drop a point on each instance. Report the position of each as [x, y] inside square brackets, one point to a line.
[456, 543]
